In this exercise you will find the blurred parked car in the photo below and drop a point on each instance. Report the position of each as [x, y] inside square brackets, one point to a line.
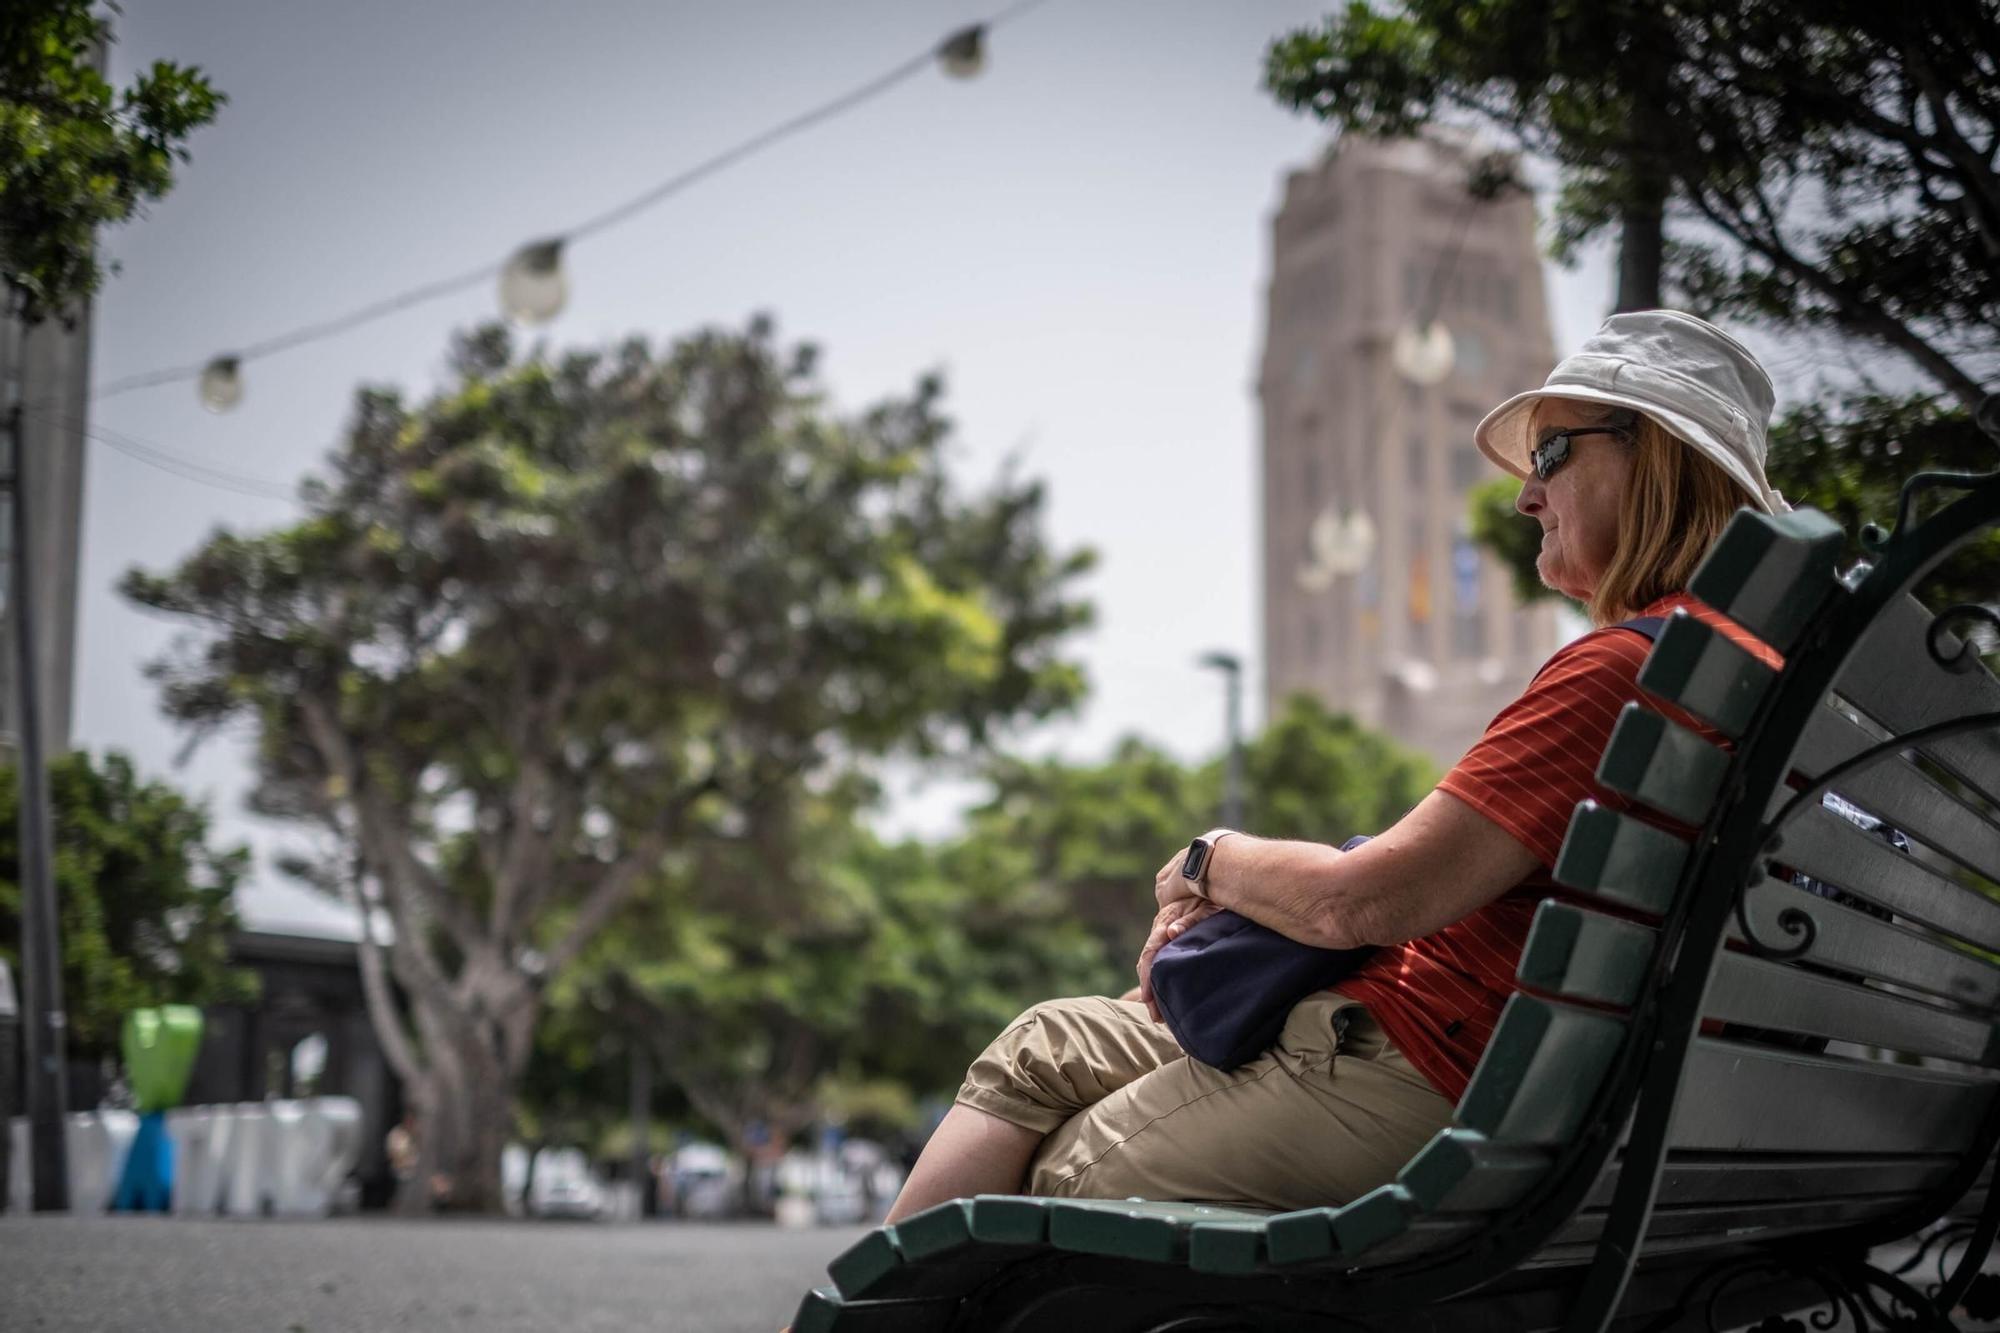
[563, 1185]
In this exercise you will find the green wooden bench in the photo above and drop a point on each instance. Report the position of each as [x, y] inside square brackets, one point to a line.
[1615, 1161]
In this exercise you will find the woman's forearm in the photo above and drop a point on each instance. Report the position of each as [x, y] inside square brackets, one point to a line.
[1295, 888]
[1438, 864]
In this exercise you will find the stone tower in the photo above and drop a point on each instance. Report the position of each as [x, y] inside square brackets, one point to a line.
[1375, 598]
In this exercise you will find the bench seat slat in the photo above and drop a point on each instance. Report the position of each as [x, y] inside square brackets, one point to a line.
[1662, 765]
[1134, 1229]
[1696, 667]
[824, 1310]
[1620, 859]
[1771, 573]
[1893, 790]
[1533, 1085]
[1829, 848]
[1586, 955]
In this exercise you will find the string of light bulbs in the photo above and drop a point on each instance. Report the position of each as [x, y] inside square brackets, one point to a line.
[532, 285]
[166, 460]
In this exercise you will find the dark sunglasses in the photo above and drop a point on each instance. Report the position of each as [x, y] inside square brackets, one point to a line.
[1551, 451]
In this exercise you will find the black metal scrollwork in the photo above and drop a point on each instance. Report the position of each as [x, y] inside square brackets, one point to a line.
[1855, 1295]
[1940, 1240]
[1873, 538]
[1797, 923]
[1967, 655]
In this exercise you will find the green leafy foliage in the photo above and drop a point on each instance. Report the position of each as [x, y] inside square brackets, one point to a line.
[146, 902]
[1510, 535]
[77, 154]
[1320, 776]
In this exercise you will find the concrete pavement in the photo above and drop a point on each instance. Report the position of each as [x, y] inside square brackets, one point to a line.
[372, 1275]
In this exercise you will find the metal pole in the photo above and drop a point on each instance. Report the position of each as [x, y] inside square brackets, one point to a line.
[44, 1025]
[1231, 668]
[10, 1048]
[641, 1111]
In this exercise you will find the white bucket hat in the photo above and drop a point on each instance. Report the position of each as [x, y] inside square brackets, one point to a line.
[1684, 373]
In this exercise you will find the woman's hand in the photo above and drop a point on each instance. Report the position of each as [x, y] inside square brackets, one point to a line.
[1170, 886]
[1172, 920]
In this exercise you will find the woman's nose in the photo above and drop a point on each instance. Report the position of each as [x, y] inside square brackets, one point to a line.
[1533, 492]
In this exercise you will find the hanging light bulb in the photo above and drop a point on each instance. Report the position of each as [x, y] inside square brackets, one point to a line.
[1422, 356]
[963, 54]
[1343, 543]
[533, 288]
[221, 385]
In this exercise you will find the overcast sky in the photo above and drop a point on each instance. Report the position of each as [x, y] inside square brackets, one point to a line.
[1078, 239]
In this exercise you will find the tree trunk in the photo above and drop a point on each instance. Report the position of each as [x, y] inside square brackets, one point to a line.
[1642, 219]
[464, 1088]
[1641, 242]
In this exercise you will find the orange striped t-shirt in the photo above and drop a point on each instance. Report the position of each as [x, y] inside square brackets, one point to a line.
[1439, 997]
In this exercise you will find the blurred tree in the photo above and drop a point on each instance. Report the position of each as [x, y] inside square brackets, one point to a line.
[1830, 165]
[1093, 835]
[1509, 534]
[146, 902]
[787, 974]
[1321, 776]
[76, 153]
[809, 954]
[542, 638]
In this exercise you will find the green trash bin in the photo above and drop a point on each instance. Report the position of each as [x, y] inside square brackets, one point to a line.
[160, 1046]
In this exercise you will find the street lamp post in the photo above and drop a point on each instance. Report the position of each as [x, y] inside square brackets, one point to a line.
[44, 1025]
[1231, 668]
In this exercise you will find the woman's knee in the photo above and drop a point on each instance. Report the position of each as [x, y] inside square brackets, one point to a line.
[1065, 1054]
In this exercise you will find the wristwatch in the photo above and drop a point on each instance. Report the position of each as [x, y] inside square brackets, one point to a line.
[1199, 853]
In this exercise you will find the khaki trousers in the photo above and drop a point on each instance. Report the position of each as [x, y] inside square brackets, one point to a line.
[1329, 1113]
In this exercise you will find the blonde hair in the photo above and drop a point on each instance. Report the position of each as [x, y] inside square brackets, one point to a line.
[1676, 504]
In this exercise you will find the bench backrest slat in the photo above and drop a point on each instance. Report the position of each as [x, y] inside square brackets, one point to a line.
[1893, 680]
[1896, 791]
[1784, 998]
[1828, 848]
[1755, 1098]
[1459, 1171]
[1854, 941]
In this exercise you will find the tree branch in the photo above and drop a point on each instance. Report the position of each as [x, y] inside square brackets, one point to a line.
[397, 1047]
[1852, 311]
[605, 898]
[415, 965]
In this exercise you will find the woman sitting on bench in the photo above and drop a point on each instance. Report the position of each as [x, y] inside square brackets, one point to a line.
[1634, 455]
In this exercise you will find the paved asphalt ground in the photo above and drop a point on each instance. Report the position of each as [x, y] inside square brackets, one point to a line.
[166, 1275]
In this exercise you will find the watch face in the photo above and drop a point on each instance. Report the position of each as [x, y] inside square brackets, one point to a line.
[1197, 857]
